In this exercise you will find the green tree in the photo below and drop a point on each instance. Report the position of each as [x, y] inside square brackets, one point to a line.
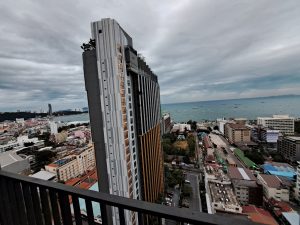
[187, 190]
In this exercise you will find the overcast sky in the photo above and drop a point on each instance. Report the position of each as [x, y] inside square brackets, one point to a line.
[200, 49]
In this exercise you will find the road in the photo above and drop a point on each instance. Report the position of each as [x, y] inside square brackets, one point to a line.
[195, 202]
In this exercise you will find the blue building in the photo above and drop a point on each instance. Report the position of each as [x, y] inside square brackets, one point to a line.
[279, 169]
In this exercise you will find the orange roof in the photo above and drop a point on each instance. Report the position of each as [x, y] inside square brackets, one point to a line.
[52, 165]
[85, 185]
[72, 182]
[259, 215]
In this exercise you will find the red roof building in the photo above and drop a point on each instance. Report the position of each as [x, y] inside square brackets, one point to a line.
[259, 215]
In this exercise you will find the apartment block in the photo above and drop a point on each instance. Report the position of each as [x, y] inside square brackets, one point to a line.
[245, 186]
[289, 147]
[237, 133]
[73, 165]
[284, 123]
[275, 187]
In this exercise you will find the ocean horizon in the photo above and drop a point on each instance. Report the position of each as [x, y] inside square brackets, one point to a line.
[249, 108]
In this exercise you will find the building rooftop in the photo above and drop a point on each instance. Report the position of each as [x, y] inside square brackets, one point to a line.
[279, 169]
[240, 173]
[259, 215]
[276, 117]
[44, 175]
[273, 181]
[238, 126]
[61, 162]
[9, 157]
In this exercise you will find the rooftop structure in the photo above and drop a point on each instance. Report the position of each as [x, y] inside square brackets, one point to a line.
[12, 162]
[223, 198]
[44, 175]
[247, 162]
[279, 169]
[241, 174]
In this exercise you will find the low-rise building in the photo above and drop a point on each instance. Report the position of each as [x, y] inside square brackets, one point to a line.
[44, 175]
[8, 146]
[245, 186]
[283, 123]
[222, 197]
[78, 162]
[181, 127]
[236, 132]
[264, 134]
[289, 147]
[275, 187]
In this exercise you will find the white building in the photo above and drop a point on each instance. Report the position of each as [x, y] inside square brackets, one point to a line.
[284, 123]
[274, 187]
[24, 139]
[20, 121]
[269, 135]
[53, 127]
[181, 127]
[221, 124]
[8, 146]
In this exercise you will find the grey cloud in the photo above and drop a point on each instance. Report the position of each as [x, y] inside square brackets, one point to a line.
[200, 50]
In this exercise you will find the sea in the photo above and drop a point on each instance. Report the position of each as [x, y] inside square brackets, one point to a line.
[249, 108]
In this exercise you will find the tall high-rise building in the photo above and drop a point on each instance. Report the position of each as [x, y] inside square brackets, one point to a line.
[49, 109]
[124, 106]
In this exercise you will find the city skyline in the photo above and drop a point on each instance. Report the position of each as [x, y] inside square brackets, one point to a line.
[213, 50]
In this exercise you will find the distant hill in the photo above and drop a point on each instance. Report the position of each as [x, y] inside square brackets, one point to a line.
[27, 115]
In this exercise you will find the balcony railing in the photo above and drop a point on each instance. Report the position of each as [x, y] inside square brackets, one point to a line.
[30, 201]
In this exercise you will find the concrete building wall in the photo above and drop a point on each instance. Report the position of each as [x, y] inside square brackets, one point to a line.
[289, 147]
[68, 171]
[237, 134]
[283, 123]
[279, 194]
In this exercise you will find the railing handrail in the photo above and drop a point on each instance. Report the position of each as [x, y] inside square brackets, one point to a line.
[183, 215]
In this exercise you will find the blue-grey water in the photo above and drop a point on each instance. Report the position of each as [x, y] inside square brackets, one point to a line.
[211, 110]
